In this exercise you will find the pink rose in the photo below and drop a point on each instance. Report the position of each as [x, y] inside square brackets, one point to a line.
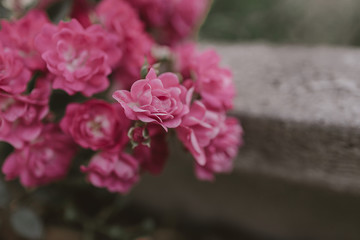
[42, 161]
[81, 11]
[197, 129]
[116, 172]
[19, 35]
[119, 18]
[80, 58]
[186, 17]
[171, 20]
[13, 75]
[96, 124]
[213, 82]
[152, 11]
[222, 150]
[160, 100]
[185, 56]
[211, 138]
[153, 158]
[21, 115]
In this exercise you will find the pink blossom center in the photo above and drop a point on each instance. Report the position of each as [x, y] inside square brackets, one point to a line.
[162, 102]
[27, 53]
[75, 59]
[98, 125]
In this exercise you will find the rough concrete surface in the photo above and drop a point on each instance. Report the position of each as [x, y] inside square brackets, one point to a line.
[305, 84]
[299, 108]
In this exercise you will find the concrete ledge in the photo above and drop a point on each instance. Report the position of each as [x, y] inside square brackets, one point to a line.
[316, 85]
[315, 154]
[299, 107]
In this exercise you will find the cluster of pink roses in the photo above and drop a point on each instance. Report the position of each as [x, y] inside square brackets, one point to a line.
[101, 48]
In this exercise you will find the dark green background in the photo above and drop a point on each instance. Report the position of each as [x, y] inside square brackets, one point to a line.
[284, 21]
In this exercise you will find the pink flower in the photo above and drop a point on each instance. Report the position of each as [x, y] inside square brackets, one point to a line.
[213, 82]
[13, 75]
[20, 35]
[185, 58]
[80, 58]
[153, 158]
[81, 11]
[160, 100]
[197, 129]
[186, 17]
[96, 124]
[222, 150]
[118, 17]
[21, 115]
[171, 20]
[211, 138]
[152, 11]
[116, 172]
[42, 161]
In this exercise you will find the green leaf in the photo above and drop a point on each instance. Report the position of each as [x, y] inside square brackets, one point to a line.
[144, 69]
[26, 223]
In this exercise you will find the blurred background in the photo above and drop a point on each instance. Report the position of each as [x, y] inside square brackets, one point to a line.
[284, 21]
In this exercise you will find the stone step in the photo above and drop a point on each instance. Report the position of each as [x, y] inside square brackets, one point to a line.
[299, 107]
